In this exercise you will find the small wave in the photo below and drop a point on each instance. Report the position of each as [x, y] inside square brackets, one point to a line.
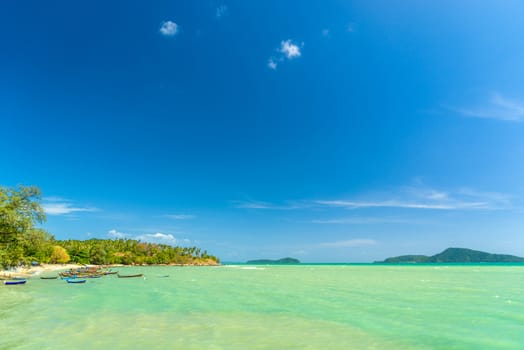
[241, 267]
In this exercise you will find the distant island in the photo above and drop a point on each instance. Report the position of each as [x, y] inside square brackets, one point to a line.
[283, 261]
[454, 255]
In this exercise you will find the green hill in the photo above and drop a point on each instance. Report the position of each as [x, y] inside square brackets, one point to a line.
[282, 261]
[454, 255]
[403, 259]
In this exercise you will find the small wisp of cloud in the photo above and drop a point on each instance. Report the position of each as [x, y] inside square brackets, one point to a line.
[420, 197]
[162, 238]
[221, 11]
[114, 234]
[169, 28]
[158, 237]
[60, 206]
[272, 64]
[179, 216]
[356, 204]
[361, 221]
[417, 197]
[499, 107]
[288, 50]
[251, 204]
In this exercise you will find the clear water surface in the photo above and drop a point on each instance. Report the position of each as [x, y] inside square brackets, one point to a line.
[272, 307]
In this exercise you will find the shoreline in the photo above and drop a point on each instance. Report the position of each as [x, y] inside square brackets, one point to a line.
[31, 271]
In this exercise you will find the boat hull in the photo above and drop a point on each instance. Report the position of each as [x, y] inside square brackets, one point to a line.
[130, 276]
[10, 283]
[75, 281]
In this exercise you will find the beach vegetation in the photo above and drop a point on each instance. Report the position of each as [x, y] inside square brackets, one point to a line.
[22, 242]
[59, 255]
[455, 255]
[20, 212]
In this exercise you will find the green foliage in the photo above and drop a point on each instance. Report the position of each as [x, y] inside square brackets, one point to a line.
[456, 255]
[37, 245]
[283, 261]
[59, 255]
[407, 259]
[459, 255]
[22, 243]
[20, 211]
[130, 251]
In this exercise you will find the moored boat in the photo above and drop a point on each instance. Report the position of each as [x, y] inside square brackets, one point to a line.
[48, 277]
[130, 276]
[12, 282]
[75, 281]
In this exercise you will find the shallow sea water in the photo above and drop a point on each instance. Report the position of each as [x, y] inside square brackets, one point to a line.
[272, 307]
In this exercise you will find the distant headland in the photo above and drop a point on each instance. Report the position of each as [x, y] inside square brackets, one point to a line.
[283, 261]
[454, 255]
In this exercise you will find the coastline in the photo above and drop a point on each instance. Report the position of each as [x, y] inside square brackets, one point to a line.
[31, 271]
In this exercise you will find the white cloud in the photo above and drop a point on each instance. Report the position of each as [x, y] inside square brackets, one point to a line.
[251, 204]
[221, 11]
[498, 107]
[422, 197]
[162, 238]
[158, 237]
[414, 197]
[361, 220]
[116, 234]
[169, 28]
[494, 197]
[438, 195]
[356, 204]
[359, 242]
[180, 216]
[272, 64]
[289, 49]
[60, 206]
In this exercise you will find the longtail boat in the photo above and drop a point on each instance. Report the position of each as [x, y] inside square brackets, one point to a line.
[130, 276]
[14, 282]
[48, 277]
[75, 281]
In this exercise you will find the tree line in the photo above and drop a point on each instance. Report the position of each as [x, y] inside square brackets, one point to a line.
[22, 242]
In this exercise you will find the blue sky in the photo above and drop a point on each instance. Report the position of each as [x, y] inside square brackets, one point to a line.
[328, 131]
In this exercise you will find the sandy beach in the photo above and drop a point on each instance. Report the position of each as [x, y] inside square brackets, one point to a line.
[29, 271]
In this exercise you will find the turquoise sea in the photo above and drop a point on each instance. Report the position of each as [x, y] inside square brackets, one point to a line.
[272, 307]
